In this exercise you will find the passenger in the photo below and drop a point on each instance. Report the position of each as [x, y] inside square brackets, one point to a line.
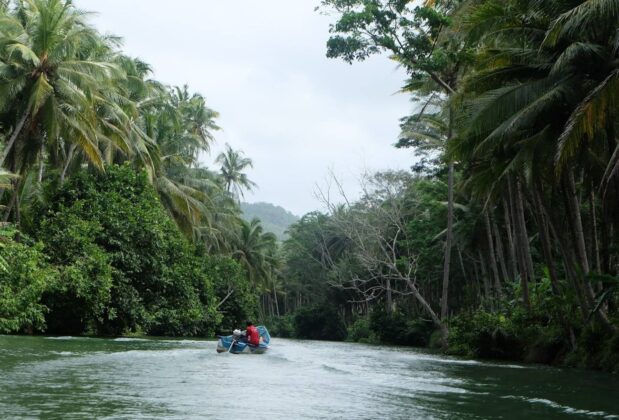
[252, 334]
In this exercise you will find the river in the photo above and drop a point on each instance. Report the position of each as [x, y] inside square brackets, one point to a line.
[127, 378]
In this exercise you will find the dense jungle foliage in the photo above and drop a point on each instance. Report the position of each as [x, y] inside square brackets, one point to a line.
[110, 225]
[500, 242]
[503, 238]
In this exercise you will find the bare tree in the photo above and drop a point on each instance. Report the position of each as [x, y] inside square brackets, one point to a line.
[378, 259]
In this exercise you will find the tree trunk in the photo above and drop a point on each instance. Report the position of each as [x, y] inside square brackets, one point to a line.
[492, 256]
[594, 231]
[9, 208]
[41, 162]
[447, 258]
[545, 240]
[522, 246]
[500, 252]
[576, 221]
[16, 132]
[67, 163]
[523, 231]
[484, 276]
[464, 274]
[510, 239]
[582, 250]
[275, 300]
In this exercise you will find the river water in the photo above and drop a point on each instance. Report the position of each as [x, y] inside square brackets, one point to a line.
[82, 378]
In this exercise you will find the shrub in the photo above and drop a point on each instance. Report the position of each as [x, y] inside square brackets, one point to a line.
[281, 326]
[319, 323]
[360, 332]
[78, 301]
[485, 334]
[399, 328]
[26, 277]
[126, 263]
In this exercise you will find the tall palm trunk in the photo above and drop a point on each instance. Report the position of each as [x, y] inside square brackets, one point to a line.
[545, 240]
[41, 162]
[275, 300]
[448, 240]
[67, 163]
[522, 246]
[594, 232]
[12, 202]
[492, 256]
[464, 273]
[576, 222]
[14, 135]
[523, 231]
[499, 250]
[510, 239]
[450, 216]
[589, 297]
[484, 276]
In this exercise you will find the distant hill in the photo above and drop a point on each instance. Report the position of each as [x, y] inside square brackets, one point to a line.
[274, 219]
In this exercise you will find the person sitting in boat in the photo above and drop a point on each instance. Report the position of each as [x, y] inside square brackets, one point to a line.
[252, 334]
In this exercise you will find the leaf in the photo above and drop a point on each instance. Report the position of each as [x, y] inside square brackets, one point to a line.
[24, 52]
[41, 90]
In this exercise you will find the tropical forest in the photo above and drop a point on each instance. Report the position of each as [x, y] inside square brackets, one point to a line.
[500, 242]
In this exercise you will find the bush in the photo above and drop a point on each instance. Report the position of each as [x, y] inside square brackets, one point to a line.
[320, 323]
[485, 334]
[78, 301]
[360, 332]
[399, 328]
[281, 326]
[127, 266]
[24, 280]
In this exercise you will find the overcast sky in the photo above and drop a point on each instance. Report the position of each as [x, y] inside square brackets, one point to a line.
[262, 66]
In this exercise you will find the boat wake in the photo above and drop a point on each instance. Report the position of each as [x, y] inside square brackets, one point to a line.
[564, 408]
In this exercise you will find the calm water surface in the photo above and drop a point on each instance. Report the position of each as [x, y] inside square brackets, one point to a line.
[79, 378]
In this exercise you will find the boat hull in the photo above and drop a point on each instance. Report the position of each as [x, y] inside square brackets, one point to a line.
[227, 344]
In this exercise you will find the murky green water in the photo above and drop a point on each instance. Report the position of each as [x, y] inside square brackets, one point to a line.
[79, 378]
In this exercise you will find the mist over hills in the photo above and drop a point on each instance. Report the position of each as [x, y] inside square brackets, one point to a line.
[274, 218]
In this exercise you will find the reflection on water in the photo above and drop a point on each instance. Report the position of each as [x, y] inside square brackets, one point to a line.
[75, 378]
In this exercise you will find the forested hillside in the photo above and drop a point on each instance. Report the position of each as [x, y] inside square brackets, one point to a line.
[274, 219]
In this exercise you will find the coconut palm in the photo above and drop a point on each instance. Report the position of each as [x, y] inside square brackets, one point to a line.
[56, 79]
[253, 251]
[543, 97]
[232, 166]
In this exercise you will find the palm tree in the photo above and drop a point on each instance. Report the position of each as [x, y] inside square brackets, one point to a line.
[55, 79]
[61, 93]
[232, 165]
[543, 93]
[181, 126]
[254, 251]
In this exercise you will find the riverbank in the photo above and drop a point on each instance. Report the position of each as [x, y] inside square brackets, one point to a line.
[478, 335]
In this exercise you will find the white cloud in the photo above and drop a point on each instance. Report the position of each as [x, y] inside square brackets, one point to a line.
[262, 65]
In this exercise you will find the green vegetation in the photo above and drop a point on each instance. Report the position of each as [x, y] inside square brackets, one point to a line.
[109, 224]
[503, 238]
[501, 242]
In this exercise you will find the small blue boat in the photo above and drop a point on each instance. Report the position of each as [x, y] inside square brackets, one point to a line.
[233, 344]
